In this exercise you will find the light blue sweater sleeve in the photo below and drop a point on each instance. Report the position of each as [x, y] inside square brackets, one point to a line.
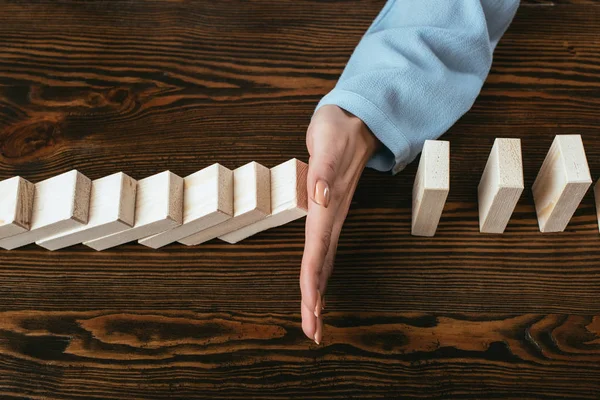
[418, 69]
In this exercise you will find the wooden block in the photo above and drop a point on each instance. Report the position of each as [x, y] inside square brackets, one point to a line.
[207, 201]
[289, 200]
[16, 205]
[158, 207]
[60, 203]
[597, 198]
[431, 187]
[112, 209]
[563, 180]
[501, 185]
[251, 203]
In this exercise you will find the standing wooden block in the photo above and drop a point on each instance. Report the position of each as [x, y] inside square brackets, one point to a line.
[251, 203]
[207, 201]
[158, 207]
[289, 200]
[431, 187]
[597, 198]
[501, 185]
[561, 183]
[112, 209]
[60, 203]
[16, 204]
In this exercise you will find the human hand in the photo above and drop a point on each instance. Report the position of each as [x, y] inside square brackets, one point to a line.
[339, 145]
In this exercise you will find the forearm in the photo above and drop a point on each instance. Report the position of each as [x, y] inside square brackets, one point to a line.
[418, 69]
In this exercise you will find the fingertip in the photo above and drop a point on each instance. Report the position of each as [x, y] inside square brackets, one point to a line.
[309, 322]
[308, 286]
[319, 331]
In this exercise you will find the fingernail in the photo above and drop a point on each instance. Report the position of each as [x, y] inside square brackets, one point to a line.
[321, 196]
[319, 331]
[318, 306]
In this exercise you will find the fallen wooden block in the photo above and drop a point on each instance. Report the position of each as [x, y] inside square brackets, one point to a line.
[112, 209]
[60, 203]
[501, 185]
[158, 207]
[431, 187]
[207, 201]
[563, 180]
[16, 205]
[289, 200]
[251, 203]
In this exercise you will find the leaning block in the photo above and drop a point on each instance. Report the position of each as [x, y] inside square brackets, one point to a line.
[60, 203]
[207, 201]
[16, 204]
[431, 187]
[112, 209]
[158, 207]
[251, 203]
[289, 200]
[501, 185]
[563, 180]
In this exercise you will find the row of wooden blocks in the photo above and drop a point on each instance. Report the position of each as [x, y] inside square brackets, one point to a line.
[561, 183]
[164, 208]
[232, 205]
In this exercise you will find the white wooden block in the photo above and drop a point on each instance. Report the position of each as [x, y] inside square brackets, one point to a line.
[158, 207]
[431, 187]
[289, 200]
[251, 203]
[112, 209]
[501, 185]
[207, 201]
[60, 203]
[16, 205]
[563, 180]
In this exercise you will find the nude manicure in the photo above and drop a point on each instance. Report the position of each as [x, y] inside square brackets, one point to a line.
[319, 331]
[321, 196]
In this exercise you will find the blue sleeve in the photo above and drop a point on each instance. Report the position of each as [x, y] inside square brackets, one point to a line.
[418, 69]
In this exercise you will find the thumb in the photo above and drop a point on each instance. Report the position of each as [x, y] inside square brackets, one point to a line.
[326, 148]
[322, 173]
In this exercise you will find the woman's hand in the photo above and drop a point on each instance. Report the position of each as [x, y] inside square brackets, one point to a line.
[339, 145]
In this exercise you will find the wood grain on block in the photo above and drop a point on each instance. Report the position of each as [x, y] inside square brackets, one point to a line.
[500, 186]
[431, 187]
[563, 180]
[207, 201]
[251, 203]
[112, 209]
[60, 203]
[158, 207]
[289, 200]
[16, 204]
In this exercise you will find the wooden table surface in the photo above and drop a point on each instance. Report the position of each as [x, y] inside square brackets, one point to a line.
[141, 87]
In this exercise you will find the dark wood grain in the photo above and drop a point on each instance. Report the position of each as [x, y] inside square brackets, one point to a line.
[140, 87]
[221, 355]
